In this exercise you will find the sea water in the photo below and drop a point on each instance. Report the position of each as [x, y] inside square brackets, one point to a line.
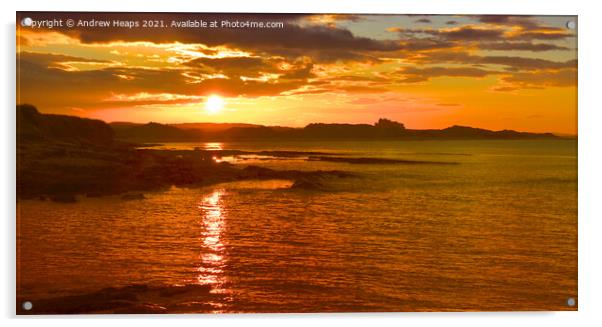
[496, 231]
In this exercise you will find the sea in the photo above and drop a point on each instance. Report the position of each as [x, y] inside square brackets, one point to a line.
[495, 231]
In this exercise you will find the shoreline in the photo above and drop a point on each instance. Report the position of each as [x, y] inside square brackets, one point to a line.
[61, 172]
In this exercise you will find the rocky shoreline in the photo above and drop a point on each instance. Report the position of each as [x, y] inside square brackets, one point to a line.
[61, 172]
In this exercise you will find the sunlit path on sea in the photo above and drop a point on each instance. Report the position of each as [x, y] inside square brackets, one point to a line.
[212, 256]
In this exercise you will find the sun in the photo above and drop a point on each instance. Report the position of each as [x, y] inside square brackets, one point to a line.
[214, 104]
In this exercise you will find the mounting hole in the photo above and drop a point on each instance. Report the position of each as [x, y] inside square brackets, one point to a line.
[27, 305]
[571, 302]
[26, 22]
[571, 25]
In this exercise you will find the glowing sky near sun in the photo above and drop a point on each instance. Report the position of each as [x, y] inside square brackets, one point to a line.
[495, 72]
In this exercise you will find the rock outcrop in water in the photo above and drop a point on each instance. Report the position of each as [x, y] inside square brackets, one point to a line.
[377, 161]
[308, 184]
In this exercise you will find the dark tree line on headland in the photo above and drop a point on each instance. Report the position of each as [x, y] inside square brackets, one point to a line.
[384, 129]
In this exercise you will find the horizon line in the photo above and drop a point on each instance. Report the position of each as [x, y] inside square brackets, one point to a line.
[559, 134]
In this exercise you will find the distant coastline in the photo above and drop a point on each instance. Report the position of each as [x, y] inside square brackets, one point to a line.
[383, 129]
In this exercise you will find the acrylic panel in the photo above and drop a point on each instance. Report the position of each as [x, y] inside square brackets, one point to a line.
[269, 163]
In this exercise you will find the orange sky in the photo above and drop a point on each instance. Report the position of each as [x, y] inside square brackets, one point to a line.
[494, 72]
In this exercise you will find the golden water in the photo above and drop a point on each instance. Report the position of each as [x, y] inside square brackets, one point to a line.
[496, 232]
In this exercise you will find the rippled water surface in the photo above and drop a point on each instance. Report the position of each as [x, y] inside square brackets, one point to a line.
[498, 231]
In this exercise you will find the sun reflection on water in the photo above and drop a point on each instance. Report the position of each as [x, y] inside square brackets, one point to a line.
[212, 256]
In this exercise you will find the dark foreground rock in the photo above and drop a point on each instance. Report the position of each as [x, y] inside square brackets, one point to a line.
[136, 298]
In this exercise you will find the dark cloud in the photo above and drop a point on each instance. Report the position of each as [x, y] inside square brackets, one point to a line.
[470, 33]
[498, 37]
[300, 72]
[522, 63]
[414, 74]
[451, 22]
[464, 33]
[235, 66]
[551, 35]
[495, 19]
[480, 38]
[521, 46]
[423, 21]
[511, 62]
[426, 44]
[348, 17]
[530, 28]
[524, 22]
[53, 59]
[563, 77]
[537, 75]
[517, 73]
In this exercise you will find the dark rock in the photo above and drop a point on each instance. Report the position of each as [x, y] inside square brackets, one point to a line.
[361, 160]
[307, 184]
[34, 126]
[258, 172]
[135, 196]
